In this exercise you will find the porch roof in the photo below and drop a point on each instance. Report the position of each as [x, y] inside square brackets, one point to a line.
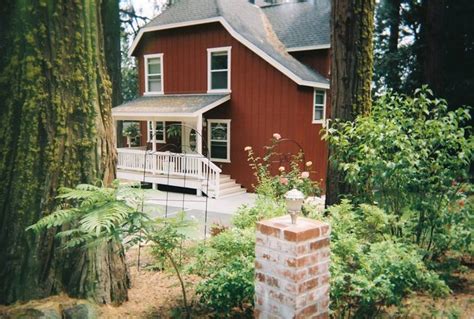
[169, 105]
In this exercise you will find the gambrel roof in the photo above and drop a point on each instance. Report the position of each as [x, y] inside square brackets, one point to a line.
[269, 31]
[301, 25]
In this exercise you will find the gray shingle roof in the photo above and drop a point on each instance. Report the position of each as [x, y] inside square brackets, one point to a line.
[178, 104]
[251, 23]
[301, 24]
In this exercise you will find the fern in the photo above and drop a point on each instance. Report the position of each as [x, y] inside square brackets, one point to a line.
[96, 214]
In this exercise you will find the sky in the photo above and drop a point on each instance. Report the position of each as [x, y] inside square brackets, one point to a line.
[148, 8]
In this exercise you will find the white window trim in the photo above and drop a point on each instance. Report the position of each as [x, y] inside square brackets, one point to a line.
[229, 59]
[209, 122]
[148, 130]
[146, 57]
[323, 120]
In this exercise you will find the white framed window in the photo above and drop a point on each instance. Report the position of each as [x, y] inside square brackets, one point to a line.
[319, 106]
[219, 140]
[159, 133]
[154, 73]
[218, 67]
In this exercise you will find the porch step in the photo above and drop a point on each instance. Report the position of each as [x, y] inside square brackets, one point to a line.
[228, 187]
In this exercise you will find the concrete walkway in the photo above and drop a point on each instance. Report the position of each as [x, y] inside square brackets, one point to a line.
[219, 211]
[227, 205]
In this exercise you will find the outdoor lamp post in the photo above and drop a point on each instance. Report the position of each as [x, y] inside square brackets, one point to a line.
[294, 202]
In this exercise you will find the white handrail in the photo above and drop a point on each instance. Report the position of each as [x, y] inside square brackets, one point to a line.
[173, 164]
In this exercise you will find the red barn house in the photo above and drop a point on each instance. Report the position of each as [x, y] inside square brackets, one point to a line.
[218, 75]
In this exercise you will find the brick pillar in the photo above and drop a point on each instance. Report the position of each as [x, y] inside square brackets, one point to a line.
[292, 269]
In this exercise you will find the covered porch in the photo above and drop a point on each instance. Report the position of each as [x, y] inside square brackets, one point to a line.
[164, 142]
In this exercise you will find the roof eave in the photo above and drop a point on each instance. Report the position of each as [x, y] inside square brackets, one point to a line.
[309, 48]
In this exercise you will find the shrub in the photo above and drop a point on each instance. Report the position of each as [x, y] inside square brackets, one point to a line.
[294, 176]
[370, 268]
[264, 207]
[229, 287]
[226, 262]
[411, 157]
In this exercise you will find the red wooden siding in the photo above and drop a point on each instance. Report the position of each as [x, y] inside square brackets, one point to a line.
[319, 60]
[263, 101]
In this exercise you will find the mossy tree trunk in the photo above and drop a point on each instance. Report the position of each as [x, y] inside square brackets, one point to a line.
[55, 130]
[351, 72]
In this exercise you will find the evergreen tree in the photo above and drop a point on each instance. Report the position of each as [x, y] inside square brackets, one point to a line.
[351, 72]
[55, 130]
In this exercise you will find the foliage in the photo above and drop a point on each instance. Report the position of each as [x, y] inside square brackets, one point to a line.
[411, 157]
[405, 40]
[97, 213]
[131, 130]
[101, 214]
[264, 207]
[229, 287]
[275, 186]
[171, 238]
[370, 268]
[226, 262]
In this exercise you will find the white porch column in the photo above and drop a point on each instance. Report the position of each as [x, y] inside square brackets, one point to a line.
[153, 130]
[199, 134]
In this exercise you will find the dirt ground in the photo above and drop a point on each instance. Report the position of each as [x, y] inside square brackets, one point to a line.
[157, 294]
[154, 294]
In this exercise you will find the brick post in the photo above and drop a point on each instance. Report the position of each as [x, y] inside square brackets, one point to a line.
[292, 269]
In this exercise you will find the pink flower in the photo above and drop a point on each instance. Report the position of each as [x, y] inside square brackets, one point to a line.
[284, 180]
[281, 168]
[309, 163]
[248, 148]
[304, 175]
[276, 136]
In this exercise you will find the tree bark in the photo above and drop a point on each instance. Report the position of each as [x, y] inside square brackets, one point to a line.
[351, 73]
[56, 130]
[393, 67]
[432, 45]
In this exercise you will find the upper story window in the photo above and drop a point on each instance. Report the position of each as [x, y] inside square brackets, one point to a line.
[156, 133]
[319, 106]
[218, 65]
[154, 73]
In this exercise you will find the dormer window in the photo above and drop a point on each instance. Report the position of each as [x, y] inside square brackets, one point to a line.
[218, 64]
[319, 106]
[154, 73]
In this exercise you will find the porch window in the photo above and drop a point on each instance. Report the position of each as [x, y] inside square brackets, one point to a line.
[154, 73]
[219, 140]
[218, 69]
[159, 132]
[319, 106]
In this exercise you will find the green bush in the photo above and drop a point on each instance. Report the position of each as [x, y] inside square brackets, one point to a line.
[226, 262]
[264, 207]
[370, 268]
[411, 157]
[229, 287]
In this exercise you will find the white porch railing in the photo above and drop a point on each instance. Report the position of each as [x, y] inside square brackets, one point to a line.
[173, 164]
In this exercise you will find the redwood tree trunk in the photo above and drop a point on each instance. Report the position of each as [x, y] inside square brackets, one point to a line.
[432, 45]
[393, 67]
[55, 130]
[351, 73]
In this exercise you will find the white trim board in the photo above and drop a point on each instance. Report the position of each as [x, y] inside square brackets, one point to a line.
[237, 36]
[309, 48]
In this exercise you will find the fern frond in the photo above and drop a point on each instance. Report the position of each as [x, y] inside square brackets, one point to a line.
[58, 218]
[104, 218]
